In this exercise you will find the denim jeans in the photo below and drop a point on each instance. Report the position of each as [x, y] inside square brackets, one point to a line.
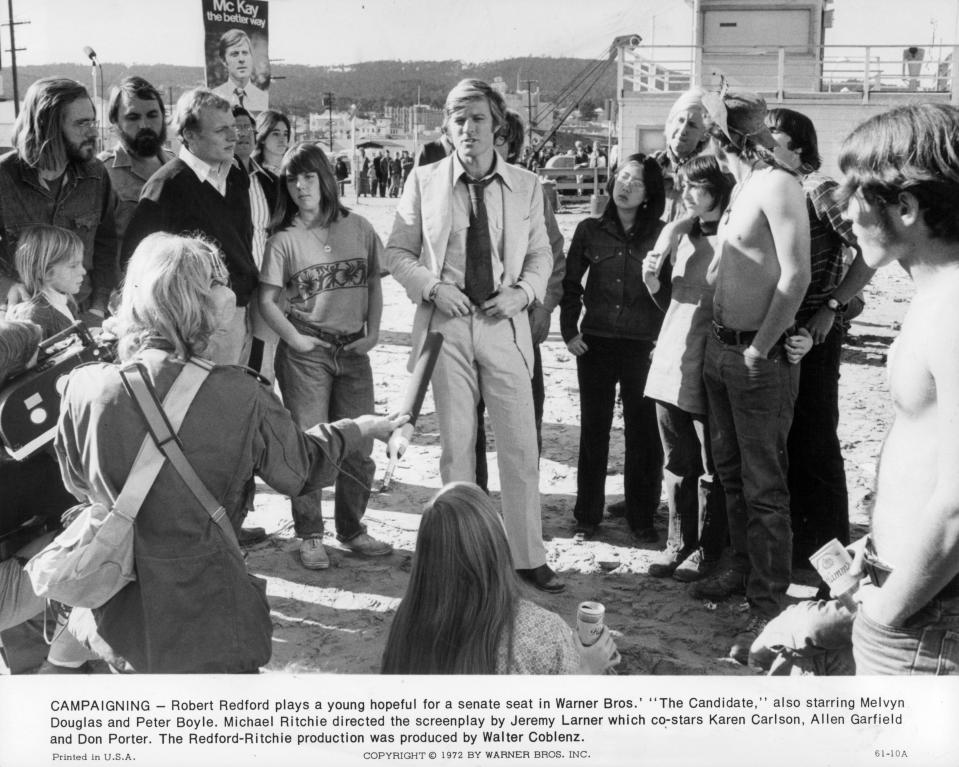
[817, 476]
[539, 399]
[750, 411]
[607, 362]
[928, 643]
[320, 386]
[697, 507]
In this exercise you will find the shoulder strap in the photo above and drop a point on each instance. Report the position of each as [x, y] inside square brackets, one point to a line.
[163, 422]
[149, 460]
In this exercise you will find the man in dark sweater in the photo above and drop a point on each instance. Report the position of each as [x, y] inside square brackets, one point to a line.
[205, 192]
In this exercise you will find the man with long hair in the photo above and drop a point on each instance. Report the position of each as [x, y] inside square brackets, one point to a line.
[762, 251]
[53, 177]
[817, 478]
[901, 192]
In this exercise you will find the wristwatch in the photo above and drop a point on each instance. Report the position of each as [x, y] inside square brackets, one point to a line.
[433, 291]
[832, 303]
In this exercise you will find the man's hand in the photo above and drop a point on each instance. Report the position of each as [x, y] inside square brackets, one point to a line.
[362, 345]
[505, 304]
[304, 344]
[452, 301]
[798, 345]
[380, 426]
[539, 323]
[820, 324]
[577, 346]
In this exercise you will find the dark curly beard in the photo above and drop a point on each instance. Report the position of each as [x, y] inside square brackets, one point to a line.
[146, 143]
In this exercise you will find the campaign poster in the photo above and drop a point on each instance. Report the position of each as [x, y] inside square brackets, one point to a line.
[237, 51]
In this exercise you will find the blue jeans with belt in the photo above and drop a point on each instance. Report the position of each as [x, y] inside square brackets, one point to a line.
[320, 386]
[607, 362]
[750, 411]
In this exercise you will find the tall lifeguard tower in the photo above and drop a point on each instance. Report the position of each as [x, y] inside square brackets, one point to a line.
[777, 48]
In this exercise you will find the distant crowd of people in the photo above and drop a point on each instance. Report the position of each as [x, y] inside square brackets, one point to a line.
[711, 295]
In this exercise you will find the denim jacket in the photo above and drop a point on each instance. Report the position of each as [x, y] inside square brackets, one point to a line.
[85, 205]
[616, 300]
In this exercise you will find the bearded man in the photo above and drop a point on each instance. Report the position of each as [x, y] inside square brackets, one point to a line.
[137, 116]
[52, 177]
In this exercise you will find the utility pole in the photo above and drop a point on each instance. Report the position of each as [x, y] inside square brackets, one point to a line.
[329, 101]
[529, 111]
[13, 57]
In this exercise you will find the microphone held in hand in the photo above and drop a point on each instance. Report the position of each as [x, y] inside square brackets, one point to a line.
[412, 402]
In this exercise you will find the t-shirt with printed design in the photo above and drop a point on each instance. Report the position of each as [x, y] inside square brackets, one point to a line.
[325, 273]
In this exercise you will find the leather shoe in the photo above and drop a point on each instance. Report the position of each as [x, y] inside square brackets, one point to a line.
[250, 536]
[543, 578]
[366, 545]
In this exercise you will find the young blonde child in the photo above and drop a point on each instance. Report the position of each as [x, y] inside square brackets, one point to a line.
[49, 260]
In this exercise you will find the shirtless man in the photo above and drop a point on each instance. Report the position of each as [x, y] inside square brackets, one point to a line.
[901, 191]
[761, 273]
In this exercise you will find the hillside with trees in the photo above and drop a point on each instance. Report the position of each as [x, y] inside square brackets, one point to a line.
[370, 85]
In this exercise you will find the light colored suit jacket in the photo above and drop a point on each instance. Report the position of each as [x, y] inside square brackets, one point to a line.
[421, 230]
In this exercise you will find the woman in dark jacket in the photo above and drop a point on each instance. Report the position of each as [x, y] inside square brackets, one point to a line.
[613, 343]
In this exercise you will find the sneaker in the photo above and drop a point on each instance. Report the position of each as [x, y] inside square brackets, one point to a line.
[739, 652]
[366, 545]
[666, 562]
[694, 567]
[719, 587]
[313, 554]
[617, 509]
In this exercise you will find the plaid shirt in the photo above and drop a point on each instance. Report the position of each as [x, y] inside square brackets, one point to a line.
[829, 232]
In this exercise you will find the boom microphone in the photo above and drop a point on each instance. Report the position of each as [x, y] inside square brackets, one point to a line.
[412, 402]
[90, 53]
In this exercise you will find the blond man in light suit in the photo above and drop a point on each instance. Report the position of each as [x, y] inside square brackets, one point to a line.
[487, 348]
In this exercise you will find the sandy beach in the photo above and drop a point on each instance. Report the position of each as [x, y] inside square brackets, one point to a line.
[337, 620]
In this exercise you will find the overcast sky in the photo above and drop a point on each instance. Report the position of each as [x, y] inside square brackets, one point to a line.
[324, 32]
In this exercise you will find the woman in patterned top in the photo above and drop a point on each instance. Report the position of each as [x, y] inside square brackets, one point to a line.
[463, 612]
[322, 264]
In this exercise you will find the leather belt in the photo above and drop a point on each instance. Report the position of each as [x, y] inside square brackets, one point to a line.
[731, 337]
[333, 339]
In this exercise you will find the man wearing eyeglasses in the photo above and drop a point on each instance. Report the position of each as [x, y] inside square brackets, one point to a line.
[52, 177]
[205, 191]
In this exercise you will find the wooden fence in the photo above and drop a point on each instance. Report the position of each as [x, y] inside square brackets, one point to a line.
[572, 185]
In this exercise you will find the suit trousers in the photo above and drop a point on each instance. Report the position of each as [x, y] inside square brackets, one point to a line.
[479, 357]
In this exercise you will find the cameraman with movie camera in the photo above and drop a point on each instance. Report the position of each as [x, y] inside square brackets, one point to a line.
[33, 500]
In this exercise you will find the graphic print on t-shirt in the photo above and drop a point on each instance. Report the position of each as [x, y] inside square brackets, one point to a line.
[321, 278]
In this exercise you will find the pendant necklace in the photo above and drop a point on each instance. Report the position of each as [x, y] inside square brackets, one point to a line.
[316, 233]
